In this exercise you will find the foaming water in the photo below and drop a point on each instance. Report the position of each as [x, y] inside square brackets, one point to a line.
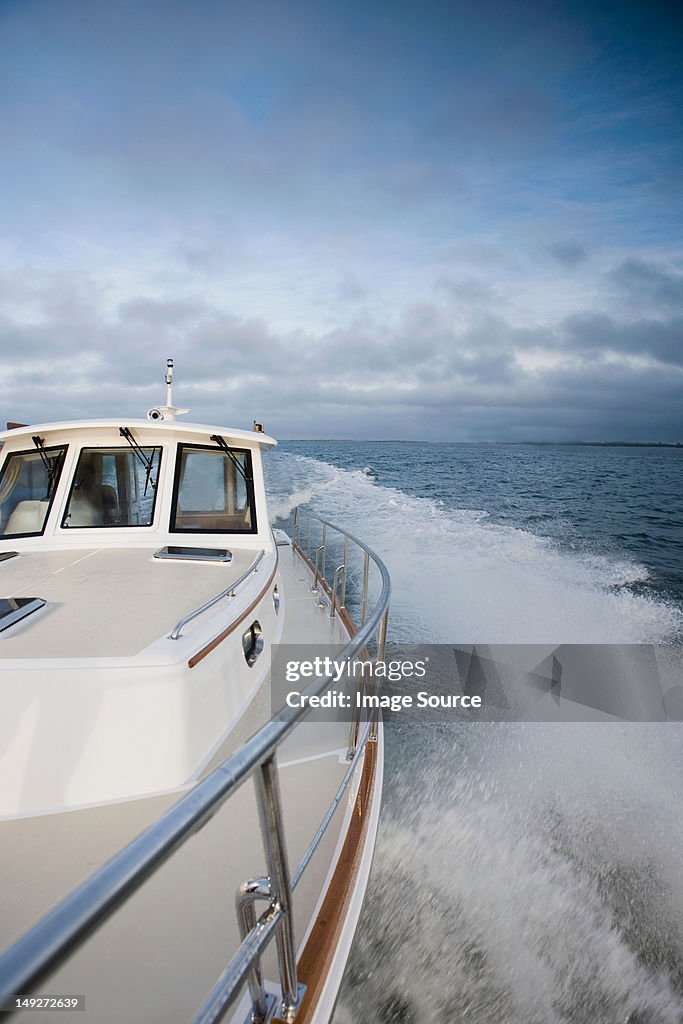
[506, 890]
[524, 874]
[457, 576]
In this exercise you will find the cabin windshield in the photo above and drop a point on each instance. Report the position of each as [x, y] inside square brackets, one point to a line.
[113, 487]
[214, 491]
[27, 486]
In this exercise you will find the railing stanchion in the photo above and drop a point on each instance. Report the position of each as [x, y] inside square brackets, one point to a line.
[354, 731]
[297, 526]
[335, 583]
[364, 605]
[324, 547]
[381, 650]
[247, 894]
[270, 812]
[382, 636]
[316, 577]
[346, 562]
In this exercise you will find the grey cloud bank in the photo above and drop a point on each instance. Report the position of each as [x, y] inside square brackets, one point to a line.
[427, 373]
[345, 220]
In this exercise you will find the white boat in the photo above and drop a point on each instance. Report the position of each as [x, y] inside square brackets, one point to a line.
[144, 594]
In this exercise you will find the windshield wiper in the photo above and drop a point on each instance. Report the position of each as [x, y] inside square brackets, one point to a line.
[220, 441]
[147, 462]
[49, 464]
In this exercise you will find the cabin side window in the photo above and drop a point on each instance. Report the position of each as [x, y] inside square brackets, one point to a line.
[113, 487]
[213, 491]
[27, 487]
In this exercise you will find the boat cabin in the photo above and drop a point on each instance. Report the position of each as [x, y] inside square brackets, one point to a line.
[132, 481]
[139, 599]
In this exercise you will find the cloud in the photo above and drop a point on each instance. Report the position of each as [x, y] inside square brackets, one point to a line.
[350, 288]
[568, 253]
[590, 332]
[471, 291]
[155, 312]
[644, 281]
[346, 215]
[512, 121]
[425, 372]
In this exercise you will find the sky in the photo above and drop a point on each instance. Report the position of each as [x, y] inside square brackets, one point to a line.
[437, 220]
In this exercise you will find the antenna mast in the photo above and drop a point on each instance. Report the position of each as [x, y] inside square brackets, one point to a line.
[169, 383]
[168, 411]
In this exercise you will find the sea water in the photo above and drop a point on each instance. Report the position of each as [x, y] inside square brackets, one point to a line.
[524, 873]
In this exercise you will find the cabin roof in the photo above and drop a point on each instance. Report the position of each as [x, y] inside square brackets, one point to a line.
[251, 438]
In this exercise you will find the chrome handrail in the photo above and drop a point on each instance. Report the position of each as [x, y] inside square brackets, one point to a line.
[175, 633]
[261, 889]
[369, 554]
[65, 928]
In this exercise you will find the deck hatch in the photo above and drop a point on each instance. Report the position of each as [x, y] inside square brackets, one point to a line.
[14, 609]
[195, 554]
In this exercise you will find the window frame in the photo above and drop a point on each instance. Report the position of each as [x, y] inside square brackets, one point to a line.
[107, 450]
[251, 499]
[63, 448]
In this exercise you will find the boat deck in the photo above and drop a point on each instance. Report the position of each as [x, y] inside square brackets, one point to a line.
[128, 970]
[92, 610]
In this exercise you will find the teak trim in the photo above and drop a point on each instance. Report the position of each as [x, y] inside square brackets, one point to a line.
[225, 633]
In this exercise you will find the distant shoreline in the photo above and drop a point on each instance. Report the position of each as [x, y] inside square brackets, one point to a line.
[606, 444]
[559, 444]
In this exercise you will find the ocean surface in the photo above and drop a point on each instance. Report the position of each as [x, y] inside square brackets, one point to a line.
[524, 873]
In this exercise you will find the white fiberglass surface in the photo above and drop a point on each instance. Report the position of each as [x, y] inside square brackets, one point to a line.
[109, 602]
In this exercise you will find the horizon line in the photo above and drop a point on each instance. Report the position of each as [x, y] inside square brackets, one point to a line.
[408, 440]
